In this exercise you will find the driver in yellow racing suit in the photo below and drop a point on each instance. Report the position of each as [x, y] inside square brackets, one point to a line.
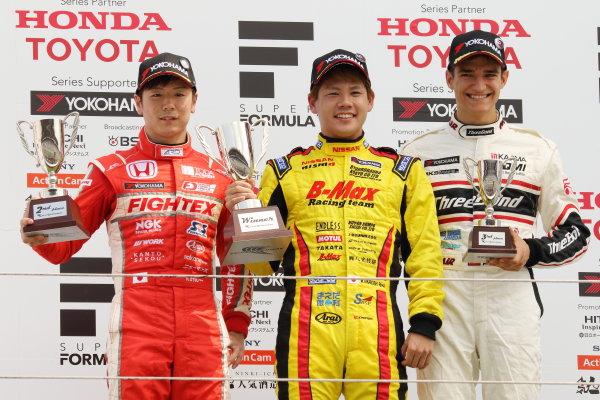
[355, 211]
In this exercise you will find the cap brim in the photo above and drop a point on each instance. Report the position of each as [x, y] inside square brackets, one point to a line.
[476, 53]
[337, 63]
[157, 74]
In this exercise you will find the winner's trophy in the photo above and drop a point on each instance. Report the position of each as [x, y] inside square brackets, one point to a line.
[254, 233]
[54, 214]
[489, 239]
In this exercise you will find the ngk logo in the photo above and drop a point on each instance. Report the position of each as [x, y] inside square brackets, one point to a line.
[329, 238]
[144, 169]
[147, 226]
[342, 190]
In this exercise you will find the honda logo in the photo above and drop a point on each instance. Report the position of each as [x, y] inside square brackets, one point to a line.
[144, 169]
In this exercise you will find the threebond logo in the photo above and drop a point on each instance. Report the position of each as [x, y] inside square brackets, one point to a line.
[259, 84]
[415, 109]
[86, 103]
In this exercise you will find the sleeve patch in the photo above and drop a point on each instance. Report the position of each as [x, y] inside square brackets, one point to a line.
[281, 166]
[403, 165]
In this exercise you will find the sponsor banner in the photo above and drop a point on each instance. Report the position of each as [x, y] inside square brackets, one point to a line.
[94, 104]
[65, 181]
[416, 109]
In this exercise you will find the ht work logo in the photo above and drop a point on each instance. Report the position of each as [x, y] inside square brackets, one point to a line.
[259, 84]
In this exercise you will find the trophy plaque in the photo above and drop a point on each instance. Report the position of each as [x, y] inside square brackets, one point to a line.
[253, 233]
[54, 214]
[488, 238]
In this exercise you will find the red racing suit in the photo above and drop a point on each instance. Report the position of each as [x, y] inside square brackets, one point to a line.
[164, 212]
[355, 211]
[494, 326]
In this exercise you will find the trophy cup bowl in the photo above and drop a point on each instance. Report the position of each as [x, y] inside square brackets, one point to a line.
[253, 233]
[54, 214]
[488, 238]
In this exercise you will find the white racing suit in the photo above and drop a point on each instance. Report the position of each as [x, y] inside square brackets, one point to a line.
[493, 327]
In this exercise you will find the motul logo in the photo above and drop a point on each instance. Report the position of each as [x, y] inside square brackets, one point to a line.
[144, 169]
[172, 204]
[342, 190]
[329, 238]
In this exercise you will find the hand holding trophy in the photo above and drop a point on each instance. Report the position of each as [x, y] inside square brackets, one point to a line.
[489, 239]
[254, 233]
[55, 214]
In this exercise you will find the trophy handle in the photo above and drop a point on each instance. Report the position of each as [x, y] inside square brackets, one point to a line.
[205, 145]
[73, 133]
[265, 140]
[468, 171]
[24, 141]
[513, 169]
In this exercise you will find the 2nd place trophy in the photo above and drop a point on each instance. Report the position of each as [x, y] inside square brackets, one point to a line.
[489, 239]
[55, 214]
[254, 233]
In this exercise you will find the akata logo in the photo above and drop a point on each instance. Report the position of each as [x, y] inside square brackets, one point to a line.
[414, 109]
[99, 104]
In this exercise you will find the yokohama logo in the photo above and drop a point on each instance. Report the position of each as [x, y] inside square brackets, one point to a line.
[410, 108]
[415, 109]
[591, 289]
[49, 101]
[98, 104]
[145, 169]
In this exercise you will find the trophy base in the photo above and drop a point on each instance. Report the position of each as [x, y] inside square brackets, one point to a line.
[56, 217]
[255, 235]
[490, 242]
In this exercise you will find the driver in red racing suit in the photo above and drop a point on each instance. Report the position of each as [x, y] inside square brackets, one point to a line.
[163, 204]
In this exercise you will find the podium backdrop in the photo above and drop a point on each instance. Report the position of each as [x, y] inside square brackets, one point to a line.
[252, 60]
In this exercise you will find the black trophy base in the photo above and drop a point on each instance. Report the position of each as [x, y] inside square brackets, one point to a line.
[490, 242]
[56, 217]
[255, 235]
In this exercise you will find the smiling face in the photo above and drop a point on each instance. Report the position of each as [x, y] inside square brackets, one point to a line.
[341, 102]
[477, 82]
[166, 108]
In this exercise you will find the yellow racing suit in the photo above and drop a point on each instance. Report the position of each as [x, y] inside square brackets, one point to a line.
[355, 211]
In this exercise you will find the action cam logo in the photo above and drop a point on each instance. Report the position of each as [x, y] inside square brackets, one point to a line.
[591, 289]
[99, 104]
[414, 109]
[262, 84]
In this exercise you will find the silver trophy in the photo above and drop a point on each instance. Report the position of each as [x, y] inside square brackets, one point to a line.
[489, 239]
[254, 233]
[55, 214]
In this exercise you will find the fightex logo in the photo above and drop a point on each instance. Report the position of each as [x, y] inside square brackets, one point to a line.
[421, 55]
[343, 192]
[415, 109]
[92, 104]
[591, 289]
[91, 49]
